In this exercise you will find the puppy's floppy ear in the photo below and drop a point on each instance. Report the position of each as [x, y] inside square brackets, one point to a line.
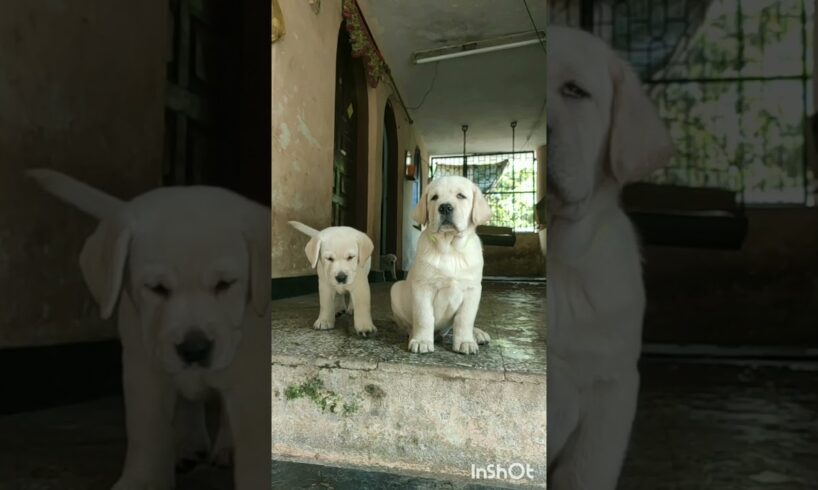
[258, 238]
[420, 215]
[365, 247]
[639, 142]
[102, 262]
[313, 249]
[480, 210]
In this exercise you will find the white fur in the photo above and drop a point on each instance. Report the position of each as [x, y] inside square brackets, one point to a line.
[188, 240]
[341, 250]
[444, 284]
[596, 297]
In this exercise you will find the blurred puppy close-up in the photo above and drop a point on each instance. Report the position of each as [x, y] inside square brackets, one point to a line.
[188, 268]
[343, 258]
[603, 132]
[443, 286]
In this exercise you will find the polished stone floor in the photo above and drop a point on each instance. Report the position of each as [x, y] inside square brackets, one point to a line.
[704, 426]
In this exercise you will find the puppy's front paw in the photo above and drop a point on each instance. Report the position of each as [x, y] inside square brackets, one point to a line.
[465, 347]
[481, 337]
[324, 324]
[365, 329]
[421, 346]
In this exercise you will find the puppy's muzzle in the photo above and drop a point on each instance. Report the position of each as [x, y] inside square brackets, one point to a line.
[195, 348]
[446, 211]
[341, 277]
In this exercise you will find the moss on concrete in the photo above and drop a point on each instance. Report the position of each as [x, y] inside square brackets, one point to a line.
[327, 400]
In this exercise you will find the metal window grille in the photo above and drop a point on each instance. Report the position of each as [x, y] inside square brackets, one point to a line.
[508, 181]
[732, 80]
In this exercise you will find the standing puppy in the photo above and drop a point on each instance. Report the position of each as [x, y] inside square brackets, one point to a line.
[188, 269]
[388, 263]
[443, 286]
[343, 257]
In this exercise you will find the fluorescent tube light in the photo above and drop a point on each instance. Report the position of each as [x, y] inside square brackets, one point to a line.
[476, 47]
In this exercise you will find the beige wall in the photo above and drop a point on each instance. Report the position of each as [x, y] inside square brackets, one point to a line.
[303, 134]
[81, 91]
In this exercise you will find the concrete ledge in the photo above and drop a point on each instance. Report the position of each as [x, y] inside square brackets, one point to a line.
[341, 400]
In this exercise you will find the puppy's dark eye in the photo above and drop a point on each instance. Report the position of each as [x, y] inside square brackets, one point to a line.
[350, 257]
[434, 198]
[574, 91]
[330, 259]
[159, 290]
[460, 196]
[223, 286]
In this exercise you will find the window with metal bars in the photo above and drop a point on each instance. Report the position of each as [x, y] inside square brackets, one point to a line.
[732, 79]
[508, 181]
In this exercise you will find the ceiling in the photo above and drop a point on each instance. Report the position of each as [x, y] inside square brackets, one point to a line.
[486, 91]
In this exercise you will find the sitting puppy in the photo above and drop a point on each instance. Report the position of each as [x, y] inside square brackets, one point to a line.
[444, 284]
[190, 270]
[345, 257]
[388, 263]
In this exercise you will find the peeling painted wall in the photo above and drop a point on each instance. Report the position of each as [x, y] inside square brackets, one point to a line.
[303, 102]
[303, 90]
[91, 105]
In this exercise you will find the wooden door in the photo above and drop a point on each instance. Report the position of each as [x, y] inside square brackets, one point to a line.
[389, 199]
[217, 117]
[191, 90]
[349, 186]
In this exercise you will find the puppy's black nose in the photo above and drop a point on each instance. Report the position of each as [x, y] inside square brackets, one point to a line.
[341, 277]
[195, 348]
[445, 209]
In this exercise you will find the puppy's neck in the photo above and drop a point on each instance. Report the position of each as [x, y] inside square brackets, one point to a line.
[449, 239]
[605, 196]
[575, 231]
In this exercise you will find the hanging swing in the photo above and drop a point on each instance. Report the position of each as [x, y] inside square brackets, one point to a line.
[690, 217]
[498, 236]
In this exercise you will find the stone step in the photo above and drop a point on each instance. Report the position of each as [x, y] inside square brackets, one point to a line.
[341, 400]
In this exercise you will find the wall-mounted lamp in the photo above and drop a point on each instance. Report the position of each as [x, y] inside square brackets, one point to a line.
[410, 167]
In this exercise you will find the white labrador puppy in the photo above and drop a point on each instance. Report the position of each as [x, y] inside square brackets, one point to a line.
[603, 131]
[345, 258]
[189, 268]
[389, 264]
[443, 287]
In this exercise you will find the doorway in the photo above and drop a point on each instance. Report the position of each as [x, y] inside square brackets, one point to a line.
[218, 79]
[389, 196]
[349, 166]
